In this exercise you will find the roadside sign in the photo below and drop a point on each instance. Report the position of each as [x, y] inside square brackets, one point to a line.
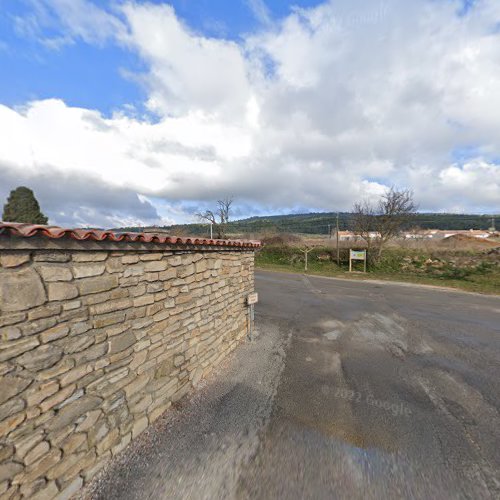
[253, 298]
[357, 255]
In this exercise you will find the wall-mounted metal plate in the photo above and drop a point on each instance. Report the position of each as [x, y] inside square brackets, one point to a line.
[253, 298]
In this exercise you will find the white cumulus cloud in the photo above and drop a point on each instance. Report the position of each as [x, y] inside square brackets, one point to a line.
[319, 109]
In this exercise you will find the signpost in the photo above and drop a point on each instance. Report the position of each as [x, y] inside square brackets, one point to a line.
[252, 299]
[357, 255]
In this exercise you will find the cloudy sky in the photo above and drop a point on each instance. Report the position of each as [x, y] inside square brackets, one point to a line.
[134, 112]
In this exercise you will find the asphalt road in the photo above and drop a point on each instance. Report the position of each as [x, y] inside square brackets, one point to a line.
[350, 390]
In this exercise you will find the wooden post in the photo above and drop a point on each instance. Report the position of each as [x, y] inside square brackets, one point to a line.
[306, 254]
[338, 239]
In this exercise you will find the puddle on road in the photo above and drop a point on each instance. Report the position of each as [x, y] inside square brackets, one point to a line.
[345, 433]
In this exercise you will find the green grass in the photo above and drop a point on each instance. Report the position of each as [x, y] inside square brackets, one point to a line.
[481, 277]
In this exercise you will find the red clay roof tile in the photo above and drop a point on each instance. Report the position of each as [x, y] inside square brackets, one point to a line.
[31, 230]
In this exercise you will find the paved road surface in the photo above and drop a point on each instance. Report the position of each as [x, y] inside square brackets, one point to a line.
[350, 390]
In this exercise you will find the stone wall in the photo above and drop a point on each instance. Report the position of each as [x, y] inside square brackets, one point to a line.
[95, 345]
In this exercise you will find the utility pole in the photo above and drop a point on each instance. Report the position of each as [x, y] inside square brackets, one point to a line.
[211, 232]
[338, 249]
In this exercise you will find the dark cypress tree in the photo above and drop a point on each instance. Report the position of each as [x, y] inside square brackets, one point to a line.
[22, 206]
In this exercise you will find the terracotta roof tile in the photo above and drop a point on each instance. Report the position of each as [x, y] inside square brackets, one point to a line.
[31, 230]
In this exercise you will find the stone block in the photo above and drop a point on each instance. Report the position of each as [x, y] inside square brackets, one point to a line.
[63, 366]
[14, 259]
[48, 492]
[131, 271]
[121, 342]
[71, 489]
[57, 398]
[138, 290]
[89, 421]
[105, 444]
[151, 256]
[10, 424]
[75, 374]
[155, 266]
[60, 471]
[11, 385]
[72, 344]
[155, 287]
[89, 256]
[40, 358]
[70, 413]
[143, 301]
[53, 273]
[114, 265]
[88, 270]
[186, 271]
[34, 327]
[201, 266]
[46, 311]
[30, 490]
[62, 291]
[139, 426]
[6, 451]
[196, 376]
[169, 274]
[162, 315]
[9, 470]
[71, 306]
[20, 289]
[153, 309]
[96, 285]
[108, 319]
[14, 348]
[136, 386]
[80, 327]
[11, 319]
[51, 256]
[156, 413]
[37, 453]
[27, 442]
[55, 333]
[74, 442]
[97, 432]
[92, 353]
[40, 468]
[34, 395]
[111, 306]
[130, 258]
[125, 440]
[11, 407]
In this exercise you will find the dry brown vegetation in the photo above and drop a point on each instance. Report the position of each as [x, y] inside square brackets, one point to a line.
[461, 261]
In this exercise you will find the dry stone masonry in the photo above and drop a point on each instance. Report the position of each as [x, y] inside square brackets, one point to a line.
[97, 344]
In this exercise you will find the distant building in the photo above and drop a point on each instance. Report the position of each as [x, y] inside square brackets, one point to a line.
[438, 234]
[347, 236]
[350, 236]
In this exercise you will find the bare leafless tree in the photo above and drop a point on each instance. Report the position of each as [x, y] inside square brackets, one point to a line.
[363, 222]
[219, 217]
[224, 209]
[379, 224]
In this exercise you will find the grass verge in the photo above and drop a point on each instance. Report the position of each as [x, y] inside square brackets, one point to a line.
[481, 280]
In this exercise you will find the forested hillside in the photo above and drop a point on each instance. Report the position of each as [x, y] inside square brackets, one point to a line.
[320, 223]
